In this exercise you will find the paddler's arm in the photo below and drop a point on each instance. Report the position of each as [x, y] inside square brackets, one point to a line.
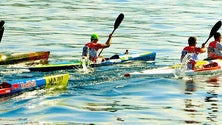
[108, 42]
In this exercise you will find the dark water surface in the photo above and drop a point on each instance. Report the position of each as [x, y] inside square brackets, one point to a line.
[105, 96]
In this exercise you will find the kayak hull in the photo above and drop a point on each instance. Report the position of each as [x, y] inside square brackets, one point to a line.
[203, 67]
[24, 57]
[147, 56]
[17, 86]
[53, 67]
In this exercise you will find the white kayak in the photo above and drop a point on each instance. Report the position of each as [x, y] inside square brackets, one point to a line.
[202, 67]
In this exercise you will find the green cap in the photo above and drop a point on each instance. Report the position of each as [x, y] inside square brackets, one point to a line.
[94, 36]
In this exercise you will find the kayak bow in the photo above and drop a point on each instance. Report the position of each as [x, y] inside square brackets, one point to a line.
[24, 57]
[17, 86]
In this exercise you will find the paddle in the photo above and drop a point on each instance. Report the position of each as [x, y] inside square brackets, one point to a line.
[1, 29]
[214, 29]
[119, 19]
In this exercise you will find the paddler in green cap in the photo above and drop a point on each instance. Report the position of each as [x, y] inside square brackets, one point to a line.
[90, 49]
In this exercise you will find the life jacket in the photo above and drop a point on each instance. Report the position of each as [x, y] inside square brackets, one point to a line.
[191, 49]
[90, 49]
[211, 51]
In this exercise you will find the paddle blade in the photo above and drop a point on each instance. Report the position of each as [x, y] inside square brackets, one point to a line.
[2, 23]
[214, 29]
[1, 29]
[119, 19]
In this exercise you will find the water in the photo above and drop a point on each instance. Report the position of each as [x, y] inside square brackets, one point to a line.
[105, 96]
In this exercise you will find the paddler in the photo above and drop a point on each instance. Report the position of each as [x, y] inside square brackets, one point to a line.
[215, 47]
[193, 51]
[90, 49]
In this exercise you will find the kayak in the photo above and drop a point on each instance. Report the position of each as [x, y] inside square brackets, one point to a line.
[74, 64]
[24, 57]
[78, 63]
[17, 86]
[202, 67]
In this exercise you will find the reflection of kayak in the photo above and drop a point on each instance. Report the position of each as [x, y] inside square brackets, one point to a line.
[17, 86]
[203, 67]
[24, 57]
[147, 56]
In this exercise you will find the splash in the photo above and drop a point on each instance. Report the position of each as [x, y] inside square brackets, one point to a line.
[85, 66]
[180, 71]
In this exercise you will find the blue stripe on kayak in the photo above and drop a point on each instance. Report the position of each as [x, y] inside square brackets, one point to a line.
[25, 84]
[148, 56]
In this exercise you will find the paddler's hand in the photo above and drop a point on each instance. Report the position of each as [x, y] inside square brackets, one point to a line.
[203, 45]
[108, 42]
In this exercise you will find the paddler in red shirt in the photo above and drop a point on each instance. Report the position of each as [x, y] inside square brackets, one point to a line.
[215, 47]
[90, 49]
[193, 50]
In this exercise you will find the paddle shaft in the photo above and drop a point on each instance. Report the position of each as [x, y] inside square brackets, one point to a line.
[107, 40]
[119, 19]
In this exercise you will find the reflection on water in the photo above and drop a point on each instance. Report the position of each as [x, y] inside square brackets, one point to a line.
[202, 110]
[212, 99]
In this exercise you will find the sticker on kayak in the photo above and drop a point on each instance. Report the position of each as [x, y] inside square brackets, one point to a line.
[58, 81]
